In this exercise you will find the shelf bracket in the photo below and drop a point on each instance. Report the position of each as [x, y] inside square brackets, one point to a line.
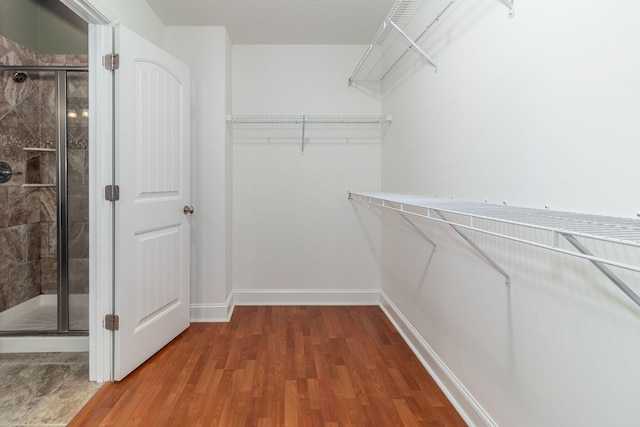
[603, 268]
[511, 5]
[414, 44]
[477, 248]
[304, 124]
[420, 232]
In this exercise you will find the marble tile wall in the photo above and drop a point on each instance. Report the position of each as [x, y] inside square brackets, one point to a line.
[28, 214]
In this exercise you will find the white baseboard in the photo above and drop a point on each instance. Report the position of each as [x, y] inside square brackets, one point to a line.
[213, 312]
[456, 392]
[307, 297]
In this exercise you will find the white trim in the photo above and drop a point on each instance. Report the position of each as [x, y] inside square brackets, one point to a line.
[92, 11]
[213, 312]
[100, 211]
[307, 296]
[461, 398]
[99, 19]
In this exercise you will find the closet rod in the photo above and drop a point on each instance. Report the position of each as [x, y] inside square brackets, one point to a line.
[296, 120]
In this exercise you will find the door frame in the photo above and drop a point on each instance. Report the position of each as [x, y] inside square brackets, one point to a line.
[101, 173]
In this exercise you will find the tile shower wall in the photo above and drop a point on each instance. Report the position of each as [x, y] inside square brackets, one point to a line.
[27, 210]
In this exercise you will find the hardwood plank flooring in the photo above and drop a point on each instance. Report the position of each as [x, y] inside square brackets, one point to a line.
[279, 366]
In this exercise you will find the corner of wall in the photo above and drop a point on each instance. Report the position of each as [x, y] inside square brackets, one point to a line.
[213, 312]
[469, 408]
[228, 168]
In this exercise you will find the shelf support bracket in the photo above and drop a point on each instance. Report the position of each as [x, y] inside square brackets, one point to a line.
[603, 268]
[304, 124]
[477, 248]
[420, 232]
[511, 5]
[418, 48]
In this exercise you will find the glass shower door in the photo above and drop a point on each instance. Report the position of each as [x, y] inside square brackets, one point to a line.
[78, 199]
[44, 209]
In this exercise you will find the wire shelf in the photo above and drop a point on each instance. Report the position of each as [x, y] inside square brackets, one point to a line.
[407, 25]
[306, 129]
[559, 226]
[612, 229]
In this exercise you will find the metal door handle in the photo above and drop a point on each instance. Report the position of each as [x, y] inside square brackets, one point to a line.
[188, 210]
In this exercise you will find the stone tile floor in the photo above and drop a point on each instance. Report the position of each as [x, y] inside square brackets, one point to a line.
[43, 389]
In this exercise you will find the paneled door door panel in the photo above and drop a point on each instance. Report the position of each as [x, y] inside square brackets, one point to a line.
[152, 230]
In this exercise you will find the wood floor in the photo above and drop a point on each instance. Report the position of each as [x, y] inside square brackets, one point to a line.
[279, 366]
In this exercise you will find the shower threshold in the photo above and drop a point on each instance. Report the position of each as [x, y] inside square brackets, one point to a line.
[40, 314]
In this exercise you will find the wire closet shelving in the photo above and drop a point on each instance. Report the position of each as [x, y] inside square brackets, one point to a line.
[307, 129]
[406, 26]
[556, 227]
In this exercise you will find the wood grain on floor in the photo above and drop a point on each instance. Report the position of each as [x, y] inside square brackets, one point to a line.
[279, 366]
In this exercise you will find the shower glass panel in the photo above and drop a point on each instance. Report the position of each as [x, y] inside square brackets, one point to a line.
[78, 199]
[44, 203]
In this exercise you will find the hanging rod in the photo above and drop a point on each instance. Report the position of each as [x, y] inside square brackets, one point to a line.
[43, 68]
[622, 231]
[310, 119]
[304, 127]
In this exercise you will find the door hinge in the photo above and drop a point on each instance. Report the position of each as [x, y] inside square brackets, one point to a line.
[111, 322]
[111, 61]
[112, 193]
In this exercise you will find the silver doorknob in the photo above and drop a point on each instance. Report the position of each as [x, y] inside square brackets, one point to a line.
[188, 210]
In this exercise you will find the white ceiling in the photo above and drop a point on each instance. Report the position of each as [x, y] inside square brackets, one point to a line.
[281, 21]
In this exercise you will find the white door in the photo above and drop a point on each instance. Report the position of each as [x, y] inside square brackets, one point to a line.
[152, 230]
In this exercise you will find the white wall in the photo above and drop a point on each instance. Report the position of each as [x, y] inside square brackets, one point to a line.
[228, 164]
[293, 226]
[207, 52]
[137, 15]
[540, 109]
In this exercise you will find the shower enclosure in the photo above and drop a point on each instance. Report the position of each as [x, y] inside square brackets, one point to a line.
[44, 227]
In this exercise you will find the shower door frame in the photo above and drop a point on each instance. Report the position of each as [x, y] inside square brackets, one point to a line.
[62, 241]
